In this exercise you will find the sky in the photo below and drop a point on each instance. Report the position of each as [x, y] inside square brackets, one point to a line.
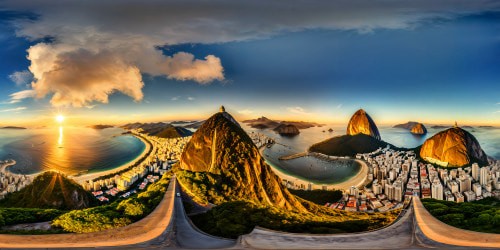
[93, 61]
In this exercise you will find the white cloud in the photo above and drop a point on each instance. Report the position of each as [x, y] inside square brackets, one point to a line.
[246, 111]
[92, 38]
[190, 98]
[21, 78]
[297, 110]
[13, 109]
[175, 98]
[18, 96]
[339, 106]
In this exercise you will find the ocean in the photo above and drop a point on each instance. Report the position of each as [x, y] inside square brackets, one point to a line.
[70, 150]
[322, 172]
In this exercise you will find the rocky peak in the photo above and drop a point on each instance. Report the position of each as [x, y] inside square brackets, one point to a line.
[362, 123]
[224, 150]
[453, 147]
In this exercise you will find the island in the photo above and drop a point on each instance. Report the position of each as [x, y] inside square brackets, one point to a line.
[101, 126]
[13, 127]
[266, 123]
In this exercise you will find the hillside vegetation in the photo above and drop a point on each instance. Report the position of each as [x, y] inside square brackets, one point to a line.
[117, 214]
[480, 216]
[50, 190]
[232, 219]
[348, 145]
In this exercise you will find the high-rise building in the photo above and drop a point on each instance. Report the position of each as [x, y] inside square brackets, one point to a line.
[389, 191]
[398, 191]
[377, 188]
[437, 190]
[475, 171]
[484, 176]
[464, 183]
[477, 189]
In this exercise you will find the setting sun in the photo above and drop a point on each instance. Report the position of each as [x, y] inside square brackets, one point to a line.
[60, 118]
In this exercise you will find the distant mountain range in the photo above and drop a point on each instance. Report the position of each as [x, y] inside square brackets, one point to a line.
[13, 127]
[266, 123]
[160, 129]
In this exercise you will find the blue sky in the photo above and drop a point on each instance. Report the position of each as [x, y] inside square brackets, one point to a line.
[436, 65]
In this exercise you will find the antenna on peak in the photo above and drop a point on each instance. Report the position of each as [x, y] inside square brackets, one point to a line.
[222, 109]
[456, 125]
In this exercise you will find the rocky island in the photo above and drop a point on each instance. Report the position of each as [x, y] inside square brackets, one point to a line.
[453, 147]
[418, 129]
[101, 126]
[287, 130]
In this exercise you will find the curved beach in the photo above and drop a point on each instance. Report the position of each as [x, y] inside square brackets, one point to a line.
[90, 176]
[358, 180]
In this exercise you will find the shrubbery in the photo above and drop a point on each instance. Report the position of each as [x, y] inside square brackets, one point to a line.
[232, 219]
[12, 216]
[481, 216]
[116, 214]
[319, 197]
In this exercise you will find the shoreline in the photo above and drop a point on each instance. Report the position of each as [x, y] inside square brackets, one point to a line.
[90, 176]
[357, 180]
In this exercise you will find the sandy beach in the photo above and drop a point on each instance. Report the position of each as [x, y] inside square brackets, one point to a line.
[358, 180]
[90, 176]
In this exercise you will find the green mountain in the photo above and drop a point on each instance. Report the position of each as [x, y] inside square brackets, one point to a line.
[348, 145]
[50, 190]
[221, 163]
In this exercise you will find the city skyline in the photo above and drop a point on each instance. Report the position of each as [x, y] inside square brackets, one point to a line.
[430, 62]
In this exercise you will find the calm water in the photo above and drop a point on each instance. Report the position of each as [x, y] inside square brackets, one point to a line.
[322, 172]
[68, 149]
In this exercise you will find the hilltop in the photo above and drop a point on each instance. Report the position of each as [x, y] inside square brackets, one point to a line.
[225, 164]
[50, 190]
[453, 147]
[362, 123]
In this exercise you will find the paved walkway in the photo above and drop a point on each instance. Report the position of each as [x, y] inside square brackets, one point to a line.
[168, 227]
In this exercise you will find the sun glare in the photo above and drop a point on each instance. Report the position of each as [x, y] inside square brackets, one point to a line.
[60, 118]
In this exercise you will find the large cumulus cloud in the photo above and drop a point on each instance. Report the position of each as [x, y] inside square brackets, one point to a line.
[101, 46]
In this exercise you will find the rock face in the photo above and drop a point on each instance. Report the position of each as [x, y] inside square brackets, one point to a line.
[223, 151]
[453, 147]
[419, 129]
[287, 129]
[409, 125]
[362, 123]
[51, 190]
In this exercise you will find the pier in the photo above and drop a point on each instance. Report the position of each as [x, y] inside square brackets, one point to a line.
[293, 156]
